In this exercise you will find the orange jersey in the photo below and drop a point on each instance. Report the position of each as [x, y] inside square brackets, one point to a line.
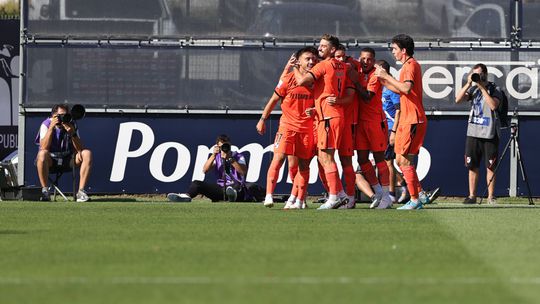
[412, 109]
[373, 110]
[295, 100]
[351, 109]
[331, 74]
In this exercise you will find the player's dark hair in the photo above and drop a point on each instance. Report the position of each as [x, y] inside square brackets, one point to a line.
[223, 138]
[307, 49]
[59, 106]
[368, 50]
[481, 66]
[341, 47]
[404, 42]
[385, 65]
[334, 41]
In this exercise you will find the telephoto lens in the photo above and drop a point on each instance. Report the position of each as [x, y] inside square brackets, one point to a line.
[226, 147]
[475, 77]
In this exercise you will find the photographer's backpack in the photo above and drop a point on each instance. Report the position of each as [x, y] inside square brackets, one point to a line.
[502, 109]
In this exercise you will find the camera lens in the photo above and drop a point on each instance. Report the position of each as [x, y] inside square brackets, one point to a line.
[226, 147]
[475, 77]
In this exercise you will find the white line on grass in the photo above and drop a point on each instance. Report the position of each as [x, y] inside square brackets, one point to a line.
[264, 280]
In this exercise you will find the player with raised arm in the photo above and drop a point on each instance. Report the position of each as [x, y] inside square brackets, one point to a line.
[330, 79]
[295, 133]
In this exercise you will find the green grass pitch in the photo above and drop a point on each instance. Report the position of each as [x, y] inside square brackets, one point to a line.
[125, 251]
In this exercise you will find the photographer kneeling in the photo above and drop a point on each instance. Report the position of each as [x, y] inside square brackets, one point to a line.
[483, 128]
[230, 168]
[60, 146]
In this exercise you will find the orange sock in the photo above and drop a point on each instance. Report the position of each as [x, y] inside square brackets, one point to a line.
[369, 173]
[271, 177]
[409, 174]
[349, 177]
[384, 174]
[301, 181]
[332, 178]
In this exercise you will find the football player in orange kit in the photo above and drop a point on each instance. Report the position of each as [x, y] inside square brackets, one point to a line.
[372, 134]
[346, 149]
[295, 133]
[411, 128]
[330, 79]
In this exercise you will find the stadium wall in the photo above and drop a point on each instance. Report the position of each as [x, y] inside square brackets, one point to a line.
[160, 153]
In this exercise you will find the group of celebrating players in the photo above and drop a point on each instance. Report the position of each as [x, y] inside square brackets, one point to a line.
[332, 102]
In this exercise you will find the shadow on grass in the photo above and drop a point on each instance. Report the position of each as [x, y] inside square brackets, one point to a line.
[13, 232]
[114, 200]
[483, 207]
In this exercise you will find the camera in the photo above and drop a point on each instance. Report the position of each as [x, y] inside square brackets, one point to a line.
[77, 112]
[477, 77]
[226, 147]
[64, 118]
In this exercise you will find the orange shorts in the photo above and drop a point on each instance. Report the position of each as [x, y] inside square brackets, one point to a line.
[346, 147]
[294, 143]
[371, 136]
[329, 133]
[409, 138]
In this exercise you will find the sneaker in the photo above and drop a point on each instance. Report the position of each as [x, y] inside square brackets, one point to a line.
[434, 194]
[297, 205]
[423, 197]
[288, 205]
[321, 200]
[179, 197]
[349, 205]
[469, 200]
[341, 201]
[269, 201]
[45, 195]
[404, 197]
[412, 206]
[492, 201]
[82, 196]
[231, 194]
[375, 201]
[304, 205]
[386, 202]
[333, 205]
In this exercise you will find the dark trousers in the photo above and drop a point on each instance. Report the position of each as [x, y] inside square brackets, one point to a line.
[215, 192]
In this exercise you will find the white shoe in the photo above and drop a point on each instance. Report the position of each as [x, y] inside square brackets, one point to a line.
[296, 205]
[329, 205]
[82, 196]
[386, 202]
[269, 202]
[304, 205]
[288, 205]
[179, 197]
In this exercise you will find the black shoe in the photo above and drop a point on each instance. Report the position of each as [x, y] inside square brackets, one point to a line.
[434, 194]
[469, 200]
